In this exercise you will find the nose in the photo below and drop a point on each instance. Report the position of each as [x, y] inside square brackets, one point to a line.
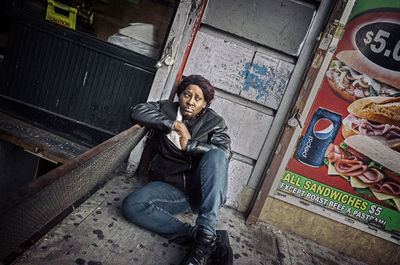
[191, 101]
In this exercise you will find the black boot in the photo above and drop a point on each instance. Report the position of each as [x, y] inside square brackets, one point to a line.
[223, 254]
[203, 246]
[183, 241]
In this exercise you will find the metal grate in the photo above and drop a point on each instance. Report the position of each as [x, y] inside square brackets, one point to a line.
[87, 171]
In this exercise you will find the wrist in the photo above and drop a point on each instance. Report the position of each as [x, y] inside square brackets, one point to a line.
[183, 142]
[173, 125]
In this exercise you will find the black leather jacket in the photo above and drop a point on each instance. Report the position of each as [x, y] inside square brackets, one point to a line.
[171, 164]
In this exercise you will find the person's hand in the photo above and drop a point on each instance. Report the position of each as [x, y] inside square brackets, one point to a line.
[183, 133]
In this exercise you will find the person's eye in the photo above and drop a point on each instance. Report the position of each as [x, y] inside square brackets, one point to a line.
[198, 99]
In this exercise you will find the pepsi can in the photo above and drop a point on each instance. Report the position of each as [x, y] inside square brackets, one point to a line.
[322, 130]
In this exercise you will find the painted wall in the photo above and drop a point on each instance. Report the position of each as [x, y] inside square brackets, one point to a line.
[258, 76]
[250, 73]
[281, 25]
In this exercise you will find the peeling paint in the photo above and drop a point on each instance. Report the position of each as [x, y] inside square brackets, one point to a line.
[264, 83]
[260, 78]
[221, 63]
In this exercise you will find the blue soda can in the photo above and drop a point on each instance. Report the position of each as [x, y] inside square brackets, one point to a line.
[322, 130]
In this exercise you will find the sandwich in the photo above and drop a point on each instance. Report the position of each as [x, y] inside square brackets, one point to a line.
[377, 117]
[352, 77]
[371, 168]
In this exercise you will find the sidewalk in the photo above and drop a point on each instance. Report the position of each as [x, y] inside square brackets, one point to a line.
[97, 234]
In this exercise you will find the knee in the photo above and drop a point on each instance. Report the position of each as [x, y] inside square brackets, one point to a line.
[216, 157]
[132, 207]
[214, 165]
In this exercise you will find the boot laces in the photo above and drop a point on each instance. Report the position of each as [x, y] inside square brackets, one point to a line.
[200, 251]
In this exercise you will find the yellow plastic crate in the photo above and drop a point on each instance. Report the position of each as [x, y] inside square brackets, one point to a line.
[53, 16]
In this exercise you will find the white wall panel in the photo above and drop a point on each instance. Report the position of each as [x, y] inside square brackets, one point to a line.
[249, 56]
[247, 127]
[220, 61]
[239, 174]
[266, 80]
[256, 76]
[281, 25]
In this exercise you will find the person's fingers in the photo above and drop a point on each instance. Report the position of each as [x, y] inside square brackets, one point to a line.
[182, 130]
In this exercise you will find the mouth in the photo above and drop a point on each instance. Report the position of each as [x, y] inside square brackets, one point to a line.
[186, 109]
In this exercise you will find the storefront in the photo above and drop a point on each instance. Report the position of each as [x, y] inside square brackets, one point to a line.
[86, 63]
[340, 173]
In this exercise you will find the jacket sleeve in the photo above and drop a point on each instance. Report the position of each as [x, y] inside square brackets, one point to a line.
[219, 139]
[149, 114]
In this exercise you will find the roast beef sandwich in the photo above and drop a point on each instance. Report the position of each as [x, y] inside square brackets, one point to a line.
[370, 167]
[352, 77]
[377, 117]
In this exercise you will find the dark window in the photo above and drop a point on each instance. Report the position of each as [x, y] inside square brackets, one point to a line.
[138, 25]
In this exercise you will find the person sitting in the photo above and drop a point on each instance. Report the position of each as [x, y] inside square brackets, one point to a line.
[189, 171]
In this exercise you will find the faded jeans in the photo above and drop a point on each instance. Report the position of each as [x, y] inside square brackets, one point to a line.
[153, 206]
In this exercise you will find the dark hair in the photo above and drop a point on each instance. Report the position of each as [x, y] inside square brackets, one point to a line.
[198, 80]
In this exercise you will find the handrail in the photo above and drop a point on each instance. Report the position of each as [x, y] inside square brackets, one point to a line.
[26, 213]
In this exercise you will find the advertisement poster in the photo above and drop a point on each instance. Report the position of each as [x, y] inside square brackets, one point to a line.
[348, 157]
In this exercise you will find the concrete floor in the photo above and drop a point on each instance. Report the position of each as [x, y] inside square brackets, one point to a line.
[96, 233]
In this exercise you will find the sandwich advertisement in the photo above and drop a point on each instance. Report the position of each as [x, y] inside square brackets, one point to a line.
[347, 159]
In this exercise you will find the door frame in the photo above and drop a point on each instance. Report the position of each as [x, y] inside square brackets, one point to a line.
[178, 45]
[179, 42]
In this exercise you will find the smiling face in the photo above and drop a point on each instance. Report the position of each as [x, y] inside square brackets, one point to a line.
[191, 101]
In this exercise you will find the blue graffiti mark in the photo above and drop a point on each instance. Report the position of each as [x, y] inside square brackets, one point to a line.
[246, 70]
[279, 90]
[259, 78]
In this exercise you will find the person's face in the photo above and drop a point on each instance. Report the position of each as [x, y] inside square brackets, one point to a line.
[191, 101]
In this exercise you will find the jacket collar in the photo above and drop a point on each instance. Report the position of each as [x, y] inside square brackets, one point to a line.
[196, 124]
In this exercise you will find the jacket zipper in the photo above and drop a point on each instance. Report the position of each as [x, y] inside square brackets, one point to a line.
[184, 183]
[184, 176]
[151, 162]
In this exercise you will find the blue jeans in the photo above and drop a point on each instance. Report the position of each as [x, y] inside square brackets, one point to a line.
[154, 205]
